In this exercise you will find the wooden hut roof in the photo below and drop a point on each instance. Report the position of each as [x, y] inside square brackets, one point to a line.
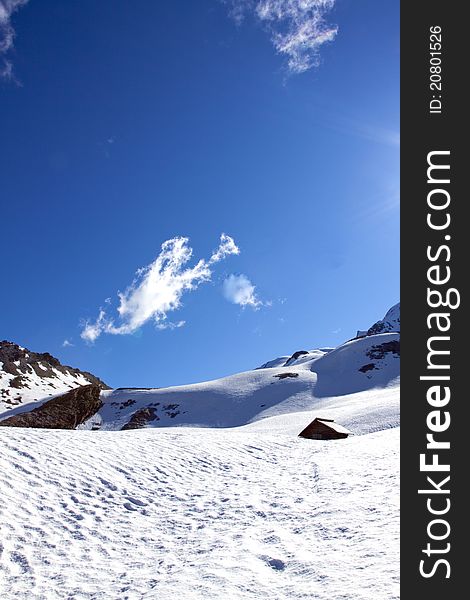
[332, 425]
[320, 425]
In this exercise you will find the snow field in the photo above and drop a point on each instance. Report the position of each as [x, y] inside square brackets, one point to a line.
[198, 513]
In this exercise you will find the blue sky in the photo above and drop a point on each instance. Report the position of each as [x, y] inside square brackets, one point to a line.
[126, 124]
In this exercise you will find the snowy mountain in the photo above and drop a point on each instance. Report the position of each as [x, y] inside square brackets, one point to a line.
[244, 398]
[390, 323]
[295, 383]
[26, 376]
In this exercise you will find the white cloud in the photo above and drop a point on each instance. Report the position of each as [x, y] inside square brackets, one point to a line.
[158, 288]
[297, 27]
[169, 325]
[67, 344]
[227, 246]
[7, 34]
[92, 330]
[238, 289]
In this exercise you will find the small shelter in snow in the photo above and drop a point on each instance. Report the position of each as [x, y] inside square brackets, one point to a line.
[324, 429]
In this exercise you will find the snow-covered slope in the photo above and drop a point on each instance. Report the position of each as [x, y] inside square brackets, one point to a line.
[202, 514]
[295, 383]
[299, 357]
[27, 376]
[359, 365]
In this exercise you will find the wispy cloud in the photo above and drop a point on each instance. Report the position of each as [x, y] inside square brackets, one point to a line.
[7, 35]
[226, 247]
[238, 289]
[158, 288]
[67, 344]
[93, 329]
[297, 28]
[170, 325]
[106, 144]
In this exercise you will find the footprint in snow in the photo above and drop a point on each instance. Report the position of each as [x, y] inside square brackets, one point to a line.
[108, 484]
[134, 503]
[21, 561]
[275, 563]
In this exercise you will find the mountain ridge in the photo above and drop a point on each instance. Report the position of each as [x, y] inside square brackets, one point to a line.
[300, 382]
[27, 376]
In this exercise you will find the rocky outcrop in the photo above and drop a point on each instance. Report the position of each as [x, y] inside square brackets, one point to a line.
[295, 356]
[379, 351]
[286, 375]
[389, 324]
[20, 362]
[27, 376]
[140, 418]
[63, 412]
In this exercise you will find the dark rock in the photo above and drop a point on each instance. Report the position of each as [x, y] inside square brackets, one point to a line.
[383, 327]
[18, 382]
[286, 375]
[295, 356]
[365, 368]
[64, 412]
[140, 418]
[379, 351]
[127, 403]
[28, 363]
[389, 324]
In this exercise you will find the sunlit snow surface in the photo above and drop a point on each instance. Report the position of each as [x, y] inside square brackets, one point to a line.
[170, 513]
[218, 497]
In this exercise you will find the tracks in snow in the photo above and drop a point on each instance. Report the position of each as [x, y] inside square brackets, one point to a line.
[162, 514]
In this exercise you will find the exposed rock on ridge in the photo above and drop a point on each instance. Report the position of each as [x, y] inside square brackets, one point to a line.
[64, 412]
[26, 376]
